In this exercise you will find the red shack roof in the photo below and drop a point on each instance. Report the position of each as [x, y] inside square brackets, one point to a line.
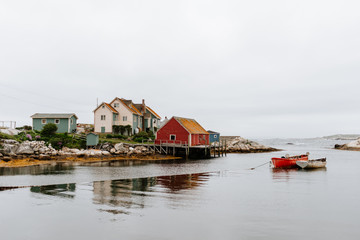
[191, 125]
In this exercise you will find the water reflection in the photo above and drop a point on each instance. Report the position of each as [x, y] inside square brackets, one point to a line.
[180, 182]
[285, 175]
[123, 193]
[58, 168]
[60, 190]
[115, 163]
[134, 193]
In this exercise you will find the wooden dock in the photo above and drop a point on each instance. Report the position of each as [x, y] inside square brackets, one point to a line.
[179, 149]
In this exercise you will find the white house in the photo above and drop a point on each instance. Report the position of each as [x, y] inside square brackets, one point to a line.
[123, 112]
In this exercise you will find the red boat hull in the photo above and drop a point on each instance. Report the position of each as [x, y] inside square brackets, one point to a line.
[289, 162]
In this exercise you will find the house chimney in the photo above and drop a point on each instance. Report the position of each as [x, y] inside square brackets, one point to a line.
[143, 106]
[143, 114]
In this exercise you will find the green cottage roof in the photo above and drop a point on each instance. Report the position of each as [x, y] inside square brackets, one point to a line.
[54, 115]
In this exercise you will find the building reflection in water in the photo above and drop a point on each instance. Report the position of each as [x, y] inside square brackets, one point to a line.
[133, 193]
[125, 193]
[181, 182]
[59, 190]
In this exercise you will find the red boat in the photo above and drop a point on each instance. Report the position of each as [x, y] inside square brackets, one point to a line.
[288, 162]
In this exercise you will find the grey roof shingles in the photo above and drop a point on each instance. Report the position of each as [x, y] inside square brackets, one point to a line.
[54, 115]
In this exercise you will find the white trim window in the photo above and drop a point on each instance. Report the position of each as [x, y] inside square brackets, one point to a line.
[124, 118]
[116, 105]
[103, 117]
[172, 137]
[215, 136]
[72, 121]
[57, 121]
[43, 121]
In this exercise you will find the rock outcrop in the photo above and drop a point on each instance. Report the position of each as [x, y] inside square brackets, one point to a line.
[241, 145]
[353, 145]
[39, 150]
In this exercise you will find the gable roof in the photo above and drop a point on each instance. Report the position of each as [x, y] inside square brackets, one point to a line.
[111, 108]
[129, 105]
[54, 115]
[107, 105]
[191, 125]
[153, 112]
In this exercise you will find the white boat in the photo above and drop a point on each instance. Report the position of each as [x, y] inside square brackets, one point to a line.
[316, 163]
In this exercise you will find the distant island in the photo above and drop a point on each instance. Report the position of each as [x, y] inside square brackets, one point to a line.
[343, 137]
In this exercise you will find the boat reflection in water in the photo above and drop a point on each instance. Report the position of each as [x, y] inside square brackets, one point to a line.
[285, 175]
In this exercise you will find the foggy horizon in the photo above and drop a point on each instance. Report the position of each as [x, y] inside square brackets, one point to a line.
[258, 69]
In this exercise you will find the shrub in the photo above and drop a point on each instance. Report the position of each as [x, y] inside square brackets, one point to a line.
[27, 128]
[56, 142]
[49, 130]
[151, 134]
[141, 137]
[6, 136]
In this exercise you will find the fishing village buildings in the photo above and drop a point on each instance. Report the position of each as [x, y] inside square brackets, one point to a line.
[184, 131]
[123, 112]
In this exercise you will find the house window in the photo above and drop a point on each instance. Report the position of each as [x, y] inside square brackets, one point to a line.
[215, 136]
[43, 121]
[124, 118]
[172, 137]
[103, 117]
[116, 105]
[72, 121]
[103, 106]
[116, 117]
[57, 121]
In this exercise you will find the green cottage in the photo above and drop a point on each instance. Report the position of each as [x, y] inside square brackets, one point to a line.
[66, 122]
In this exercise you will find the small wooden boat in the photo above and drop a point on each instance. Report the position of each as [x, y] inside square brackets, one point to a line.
[316, 163]
[289, 161]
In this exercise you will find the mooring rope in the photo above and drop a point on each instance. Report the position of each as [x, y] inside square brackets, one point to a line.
[259, 165]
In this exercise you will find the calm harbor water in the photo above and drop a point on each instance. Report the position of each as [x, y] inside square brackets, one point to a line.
[205, 199]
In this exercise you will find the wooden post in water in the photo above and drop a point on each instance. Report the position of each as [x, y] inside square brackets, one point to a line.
[222, 148]
[225, 148]
[219, 149]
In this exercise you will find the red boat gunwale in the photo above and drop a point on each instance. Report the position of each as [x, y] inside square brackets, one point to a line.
[289, 162]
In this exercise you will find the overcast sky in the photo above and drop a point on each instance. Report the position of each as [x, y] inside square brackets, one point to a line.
[260, 68]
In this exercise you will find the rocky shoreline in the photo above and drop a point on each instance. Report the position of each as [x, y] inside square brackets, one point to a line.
[29, 153]
[237, 144]
[351, 146]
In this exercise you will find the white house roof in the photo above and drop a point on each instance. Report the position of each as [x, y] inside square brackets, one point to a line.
[54, 115]
[108, 105]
